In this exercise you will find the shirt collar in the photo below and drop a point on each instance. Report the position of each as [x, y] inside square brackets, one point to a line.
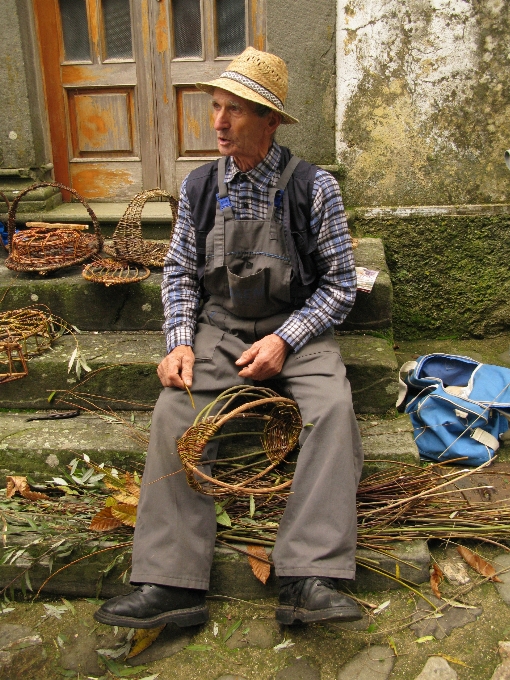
[262, 175]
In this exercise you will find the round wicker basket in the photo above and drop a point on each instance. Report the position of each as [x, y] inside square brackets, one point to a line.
[43, 250]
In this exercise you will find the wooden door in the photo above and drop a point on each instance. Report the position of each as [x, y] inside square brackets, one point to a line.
[123, 111]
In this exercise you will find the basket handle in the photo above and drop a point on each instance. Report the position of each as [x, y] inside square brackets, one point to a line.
[11, 224]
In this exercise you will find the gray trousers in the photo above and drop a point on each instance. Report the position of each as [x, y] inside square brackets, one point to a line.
[176, 526]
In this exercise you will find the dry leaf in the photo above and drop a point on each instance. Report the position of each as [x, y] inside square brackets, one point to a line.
[125, 513]
[478, 563]
[436, 577]
[126, 498]
[143, 639]
[20, 485]
[258, 562]
[131, 486]
[104, 521]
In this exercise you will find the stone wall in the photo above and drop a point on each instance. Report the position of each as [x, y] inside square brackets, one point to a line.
[423, 101]
[303, 34]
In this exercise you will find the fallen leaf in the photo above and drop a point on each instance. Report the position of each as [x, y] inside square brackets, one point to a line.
[381, 607]
[452, 659]
[126, 513]
[258, 562]
[425, 638]
[142, 639]
[392, 644]
[284, 645]
[127, 498]
[232, 630]
[478, 563]
[104, 521]
[436, 577]
[20, 485]
[199, 648]
[459, 605]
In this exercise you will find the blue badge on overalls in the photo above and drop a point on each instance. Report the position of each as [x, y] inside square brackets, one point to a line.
[224, 202]
[278, 198]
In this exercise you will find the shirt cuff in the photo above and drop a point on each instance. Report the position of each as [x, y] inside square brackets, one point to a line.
[180, 335]
[295, 333]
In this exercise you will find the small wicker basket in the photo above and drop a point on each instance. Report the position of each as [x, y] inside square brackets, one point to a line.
[46, 249]
[128, 242]
[113, 272]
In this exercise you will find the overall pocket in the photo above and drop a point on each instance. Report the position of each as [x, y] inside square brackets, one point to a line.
[248, 294]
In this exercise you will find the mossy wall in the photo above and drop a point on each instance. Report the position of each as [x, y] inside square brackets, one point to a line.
[450, 274]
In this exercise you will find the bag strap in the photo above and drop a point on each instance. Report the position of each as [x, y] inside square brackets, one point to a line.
[405, 369]
[485, 438]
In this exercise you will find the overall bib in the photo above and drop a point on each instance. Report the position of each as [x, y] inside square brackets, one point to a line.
[247, 276]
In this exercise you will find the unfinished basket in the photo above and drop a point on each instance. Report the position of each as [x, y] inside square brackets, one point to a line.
[33, 329]
[111, 272]
[280, 435]
[13, 364]
[44, 249]
[128, 242]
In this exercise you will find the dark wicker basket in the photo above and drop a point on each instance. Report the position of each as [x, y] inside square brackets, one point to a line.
[128, 242]
[113, 272]
[43, 249]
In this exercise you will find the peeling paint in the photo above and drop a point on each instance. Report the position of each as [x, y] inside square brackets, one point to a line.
[193, 125]
[99, 182]
[162, 29]
[423, 101]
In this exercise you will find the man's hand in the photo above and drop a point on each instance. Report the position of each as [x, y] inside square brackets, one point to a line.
[176, 369]
[264, 359]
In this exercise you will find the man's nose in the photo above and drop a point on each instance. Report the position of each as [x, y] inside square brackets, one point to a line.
[220, 120]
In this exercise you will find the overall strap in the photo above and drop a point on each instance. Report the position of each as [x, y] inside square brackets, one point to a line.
[223, 211]
[280, 186]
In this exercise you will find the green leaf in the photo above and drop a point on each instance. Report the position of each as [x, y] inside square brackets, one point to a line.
[121, 671]
[232, 630]
[371, 628]
[51, 396]
[27, 581]
[224, 519]
[252, 505]
[199, 648]
[71, 360]
[425, 638]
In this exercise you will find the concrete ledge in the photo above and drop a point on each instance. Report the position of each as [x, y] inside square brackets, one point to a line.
[43, 448]
[129, 361]
[92, 306]
[231, 573]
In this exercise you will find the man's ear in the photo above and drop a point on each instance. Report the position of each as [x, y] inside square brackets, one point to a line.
[273, 121]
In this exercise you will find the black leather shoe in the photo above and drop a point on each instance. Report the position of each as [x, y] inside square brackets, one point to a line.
[150, 606]
[314, 599]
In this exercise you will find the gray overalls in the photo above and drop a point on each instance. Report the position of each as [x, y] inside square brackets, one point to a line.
[248, 274]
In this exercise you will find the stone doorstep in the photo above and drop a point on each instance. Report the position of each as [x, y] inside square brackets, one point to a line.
[43, 448]
[94, 307]
[133, 357]
[231, 574]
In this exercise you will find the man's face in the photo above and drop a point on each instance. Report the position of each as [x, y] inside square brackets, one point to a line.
[240, 131]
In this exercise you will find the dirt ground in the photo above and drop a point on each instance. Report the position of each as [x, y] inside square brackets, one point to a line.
[242, 640]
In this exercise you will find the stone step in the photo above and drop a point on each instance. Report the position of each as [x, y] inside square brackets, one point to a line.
[124, 366]
[94, 307]
[43, 448]
[231, 573]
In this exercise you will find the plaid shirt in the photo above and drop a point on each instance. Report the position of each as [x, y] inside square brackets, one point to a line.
[249, 195]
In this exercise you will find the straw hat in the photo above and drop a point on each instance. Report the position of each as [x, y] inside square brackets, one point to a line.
[260, 77]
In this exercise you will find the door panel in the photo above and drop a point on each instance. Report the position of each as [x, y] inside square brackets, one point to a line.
[119, 75]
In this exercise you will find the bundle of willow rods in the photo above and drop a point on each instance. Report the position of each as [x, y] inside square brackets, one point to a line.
[401, 503]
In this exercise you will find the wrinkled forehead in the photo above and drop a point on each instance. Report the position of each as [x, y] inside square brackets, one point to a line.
[221, 96]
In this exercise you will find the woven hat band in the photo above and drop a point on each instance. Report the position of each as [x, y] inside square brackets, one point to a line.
[256, 87]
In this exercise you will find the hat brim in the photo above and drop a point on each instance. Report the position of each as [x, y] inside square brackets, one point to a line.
[242, 91]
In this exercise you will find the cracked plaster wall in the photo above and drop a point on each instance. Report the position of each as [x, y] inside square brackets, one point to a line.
[423, 94]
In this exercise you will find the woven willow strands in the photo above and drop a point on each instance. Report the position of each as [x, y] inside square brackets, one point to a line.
[43, 250]
[13, 364]
[25, 333]
[128, 242]
[280, 435]
[111, 272]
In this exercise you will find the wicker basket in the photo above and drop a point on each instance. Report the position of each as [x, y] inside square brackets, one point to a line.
[114, 272]
[280, 436]
[128, 242]
[43, 250]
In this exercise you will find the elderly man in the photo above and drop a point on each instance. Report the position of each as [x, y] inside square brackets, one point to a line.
[259, 270]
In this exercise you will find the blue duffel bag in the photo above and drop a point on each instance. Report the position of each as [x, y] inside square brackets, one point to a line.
[459, 408]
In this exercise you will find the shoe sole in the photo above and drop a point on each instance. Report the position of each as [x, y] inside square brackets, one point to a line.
[193, 616]
[289, 615]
